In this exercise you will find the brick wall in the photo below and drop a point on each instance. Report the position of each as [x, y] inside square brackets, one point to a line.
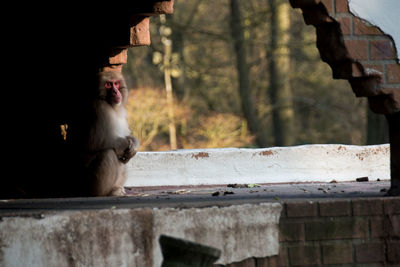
[349, 232]
[356, 51]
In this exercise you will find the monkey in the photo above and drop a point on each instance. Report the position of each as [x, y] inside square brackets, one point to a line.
[109, 144]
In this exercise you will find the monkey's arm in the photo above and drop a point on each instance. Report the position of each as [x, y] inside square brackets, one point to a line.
[126, 148]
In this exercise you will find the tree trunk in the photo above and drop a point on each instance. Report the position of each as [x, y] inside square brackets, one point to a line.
[168, 83]
[377, 128]
[279, 66]
[245, 92]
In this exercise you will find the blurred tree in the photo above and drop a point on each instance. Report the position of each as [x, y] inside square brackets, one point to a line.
[167, 68]
[249, 108]
[377, 129]
[279, 68]
[206, 76]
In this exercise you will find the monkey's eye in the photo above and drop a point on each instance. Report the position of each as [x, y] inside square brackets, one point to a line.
[116, 84]
[108, 84]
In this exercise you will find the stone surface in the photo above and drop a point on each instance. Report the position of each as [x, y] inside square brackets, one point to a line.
[266, 165]
[129, 237]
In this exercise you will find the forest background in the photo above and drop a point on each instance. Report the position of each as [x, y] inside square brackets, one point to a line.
[233, 73]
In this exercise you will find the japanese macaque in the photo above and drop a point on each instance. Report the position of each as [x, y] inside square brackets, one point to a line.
[109, 144]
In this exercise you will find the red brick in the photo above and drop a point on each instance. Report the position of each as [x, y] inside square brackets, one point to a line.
[337, 229]
[345, 25]
[337, 254]
[335, 208]
[357, 49]
[119, 58]
[364, 28]
[367, 207]
[304, 255]
[329, 5]
[139, 32]
[392, 205]
[342, 6]
[381, 49]
[302, 209]
[393, 73]
[117, 68]
[370, 252]
[373, 68]
[291, 231]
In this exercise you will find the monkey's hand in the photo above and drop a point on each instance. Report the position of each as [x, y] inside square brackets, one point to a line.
[127, 148]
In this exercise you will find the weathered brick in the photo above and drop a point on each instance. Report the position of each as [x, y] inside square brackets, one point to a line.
[387, 102]
[345, 25]
[393, 73]
[392, 205]
[283, 212]
[304, 255]
[357, 49]
[329, 5]
[335, 208]
[304, 3]
[367, 207]
[393, 252]
[342, 6]
[377, 229]
[378, 68]
[370, 252]
[392, 226]
[364, 28]
[337, 229]
[337, 254]
[267, 262]
[120, 57]
[291, 231]
[117, 67]
[283, 257]
[139, 32]
[245, 263]
[381, 49]
[313, 16]
[302, 209]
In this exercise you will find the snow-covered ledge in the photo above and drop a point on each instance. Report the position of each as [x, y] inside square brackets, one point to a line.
[322, 163]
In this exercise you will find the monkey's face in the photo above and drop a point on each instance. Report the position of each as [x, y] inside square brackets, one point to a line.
[112, 88]
[113, 93]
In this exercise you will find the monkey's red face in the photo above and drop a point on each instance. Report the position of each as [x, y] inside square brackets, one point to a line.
[113, 93]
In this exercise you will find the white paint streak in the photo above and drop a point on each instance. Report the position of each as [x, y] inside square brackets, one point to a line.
[266, 165]
[381, 13]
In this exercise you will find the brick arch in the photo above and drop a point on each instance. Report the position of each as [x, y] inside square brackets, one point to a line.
[355, 51]
[363, 55]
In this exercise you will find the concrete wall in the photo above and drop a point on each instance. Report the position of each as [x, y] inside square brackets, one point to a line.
[267, 165]
[335, 232]
[129, 237]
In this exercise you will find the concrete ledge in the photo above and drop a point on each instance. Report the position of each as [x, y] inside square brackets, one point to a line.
[307, 163]
[129, 237]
